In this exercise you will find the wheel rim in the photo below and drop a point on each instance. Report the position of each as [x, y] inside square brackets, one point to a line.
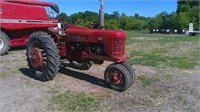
[1, 43]
[116, 77]
[38, 57]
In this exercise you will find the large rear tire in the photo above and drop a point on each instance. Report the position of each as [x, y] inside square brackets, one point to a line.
[42, 56]
[4, 43]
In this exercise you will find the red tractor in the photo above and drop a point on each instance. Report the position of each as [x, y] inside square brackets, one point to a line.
[82, 47]
[20, 18]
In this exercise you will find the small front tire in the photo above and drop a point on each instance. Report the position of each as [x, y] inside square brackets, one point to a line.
[131, 72]
[117, 77]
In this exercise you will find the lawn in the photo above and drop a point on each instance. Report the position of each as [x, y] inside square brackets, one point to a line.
[154, 50]
[163, 50]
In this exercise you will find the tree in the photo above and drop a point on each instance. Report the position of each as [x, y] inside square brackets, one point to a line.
[188, 12]
[184, 5]
[116, 14]
[174, 21]
[123, 15]
[122, 21]
[112, 24]
[63, 17]
[137, 16]
[134, 24]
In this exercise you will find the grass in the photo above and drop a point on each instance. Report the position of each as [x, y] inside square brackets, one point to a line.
[180, 51]
[156, 59]
[69, 101]
[145, 81]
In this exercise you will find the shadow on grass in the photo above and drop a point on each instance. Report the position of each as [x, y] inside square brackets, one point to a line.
[27, 72]
[75, 74]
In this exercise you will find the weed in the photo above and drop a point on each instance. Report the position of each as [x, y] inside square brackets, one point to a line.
[159, 50]
[145, 80]
[73, 102]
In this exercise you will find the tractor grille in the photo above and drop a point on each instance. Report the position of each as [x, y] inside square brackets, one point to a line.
[117, 45]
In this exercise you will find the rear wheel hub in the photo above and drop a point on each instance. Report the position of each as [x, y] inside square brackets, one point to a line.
[36, 58]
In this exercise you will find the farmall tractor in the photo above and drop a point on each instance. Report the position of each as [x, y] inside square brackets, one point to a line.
[20, 18]
[82, 47]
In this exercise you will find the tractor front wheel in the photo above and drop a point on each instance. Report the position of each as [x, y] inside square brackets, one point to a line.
[131, 72]
[42, 56]
[117, 77]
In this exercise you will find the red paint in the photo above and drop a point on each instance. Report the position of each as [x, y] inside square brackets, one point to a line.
[23, 18]
[113, 40]
[36, 58]
[20, 18]
[116, 78]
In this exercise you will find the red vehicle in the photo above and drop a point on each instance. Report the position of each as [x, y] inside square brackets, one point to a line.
[49, 43]
[20, 18]
[82, 47]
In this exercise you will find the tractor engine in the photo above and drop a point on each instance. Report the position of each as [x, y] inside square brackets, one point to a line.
[96, 45]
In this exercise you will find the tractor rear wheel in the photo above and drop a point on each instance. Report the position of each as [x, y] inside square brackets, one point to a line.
[85, 65]
[4, 43]
[42, 56]
[117, 77]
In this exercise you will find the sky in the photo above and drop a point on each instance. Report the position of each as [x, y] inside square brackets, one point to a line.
[147, 8]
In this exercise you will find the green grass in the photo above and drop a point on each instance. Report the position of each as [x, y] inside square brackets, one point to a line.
[180, 51]
[145, 81]
[69, 101]
[156, 59]
[162, 38]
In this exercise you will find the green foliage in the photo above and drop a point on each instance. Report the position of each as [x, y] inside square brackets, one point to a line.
[73, 102]
[187, 12]
[84, 18]
[112, 24]
[63, 17]
[184, 5]
[145, 80]
[133, 24]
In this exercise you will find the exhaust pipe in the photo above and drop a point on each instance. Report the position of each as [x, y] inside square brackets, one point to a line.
[101, 15]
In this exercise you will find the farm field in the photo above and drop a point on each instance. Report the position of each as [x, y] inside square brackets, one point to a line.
[167, 71]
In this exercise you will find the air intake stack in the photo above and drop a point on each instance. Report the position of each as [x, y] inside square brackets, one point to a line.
[101, 15]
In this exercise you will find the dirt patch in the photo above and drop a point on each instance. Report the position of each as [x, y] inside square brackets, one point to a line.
[20, 92]
[171, 89]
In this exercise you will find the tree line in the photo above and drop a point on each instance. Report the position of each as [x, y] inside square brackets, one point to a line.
[187, 12]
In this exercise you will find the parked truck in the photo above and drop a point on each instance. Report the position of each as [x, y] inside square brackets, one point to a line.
[191, 31]
[20, 18]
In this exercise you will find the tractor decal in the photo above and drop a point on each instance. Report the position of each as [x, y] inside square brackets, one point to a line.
[27, 21]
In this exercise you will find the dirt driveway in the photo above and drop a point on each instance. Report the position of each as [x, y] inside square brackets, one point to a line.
[170, 90]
